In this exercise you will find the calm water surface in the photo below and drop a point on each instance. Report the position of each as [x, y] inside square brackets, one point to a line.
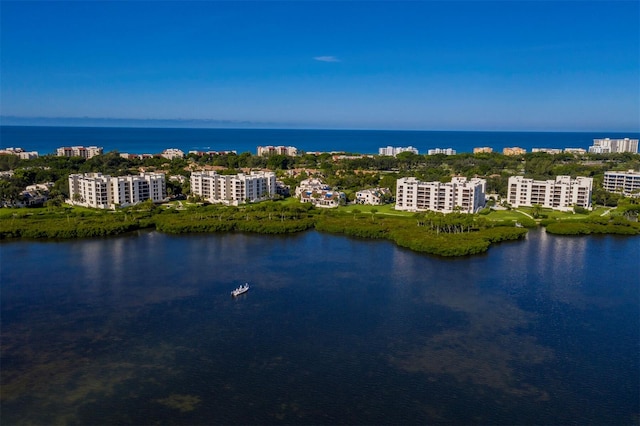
[142, 330]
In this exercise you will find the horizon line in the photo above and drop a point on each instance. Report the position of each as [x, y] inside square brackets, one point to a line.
[40, 121]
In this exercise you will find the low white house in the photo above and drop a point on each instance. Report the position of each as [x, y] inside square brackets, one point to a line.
[319, 194]
[323, 198]
[311, 184]
[374, 197]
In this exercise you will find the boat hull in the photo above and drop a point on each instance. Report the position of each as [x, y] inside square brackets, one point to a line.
[240, 290]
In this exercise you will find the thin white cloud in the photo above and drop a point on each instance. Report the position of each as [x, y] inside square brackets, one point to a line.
[326, 59]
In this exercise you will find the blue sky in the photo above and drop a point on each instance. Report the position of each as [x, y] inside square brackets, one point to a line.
[507, 65]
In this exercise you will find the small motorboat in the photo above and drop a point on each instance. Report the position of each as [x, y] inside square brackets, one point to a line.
[240, 290]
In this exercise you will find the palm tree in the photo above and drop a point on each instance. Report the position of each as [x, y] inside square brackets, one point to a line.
[536, 210]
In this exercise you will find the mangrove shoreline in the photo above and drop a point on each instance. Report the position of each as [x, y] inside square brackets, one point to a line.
[454, 234]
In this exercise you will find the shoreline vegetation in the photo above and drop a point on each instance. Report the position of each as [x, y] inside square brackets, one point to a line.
[453, 234]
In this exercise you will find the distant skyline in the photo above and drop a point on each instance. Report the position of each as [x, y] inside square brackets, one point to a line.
[413, 65]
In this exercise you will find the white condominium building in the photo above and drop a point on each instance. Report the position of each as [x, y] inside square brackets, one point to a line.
[89, 190]
[607, 146]
[393, 151]
[626, 183]
[563, 193]
[105, 192]
[445, 151]
[79, 151]
[552, 151]
[233, 189]
[291, 151]
[575, 151]
[20, 153]
[133, 189]
[467, 196]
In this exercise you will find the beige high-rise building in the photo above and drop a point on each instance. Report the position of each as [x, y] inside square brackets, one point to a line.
[515, 150]
[291, 151]
[482, 149]
[79, 151]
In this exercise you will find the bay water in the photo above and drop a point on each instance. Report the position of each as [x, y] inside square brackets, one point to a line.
[141, 329]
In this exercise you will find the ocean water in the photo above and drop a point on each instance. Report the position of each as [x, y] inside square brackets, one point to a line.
[141, 329]
[45, 140]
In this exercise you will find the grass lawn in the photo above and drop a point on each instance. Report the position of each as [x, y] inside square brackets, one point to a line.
[517, 214]
[555, 214]
[386, 209]
[290, 201]
[500, 215]
[30, 211]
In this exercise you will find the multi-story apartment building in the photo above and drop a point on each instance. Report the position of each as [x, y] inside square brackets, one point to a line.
[89, 190]
[233, 189]
[467, 196]
[445, 151]
[105, 192]
[575, 151]
[626, 183]
[79, 151]
[563, 193]
[20, 153]
[171, 153]
[482, 149]
[393, 151]
[552, 151]
[608, 146]
[132, 189]
[514, 150]
[291, 151]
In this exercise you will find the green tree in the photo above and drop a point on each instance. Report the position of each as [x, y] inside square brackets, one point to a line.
[278, 162]
[373, 213]
[536, 209]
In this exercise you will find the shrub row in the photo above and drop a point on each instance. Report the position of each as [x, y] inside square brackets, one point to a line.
[405, 233]
[586, 228]
[62, 229]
